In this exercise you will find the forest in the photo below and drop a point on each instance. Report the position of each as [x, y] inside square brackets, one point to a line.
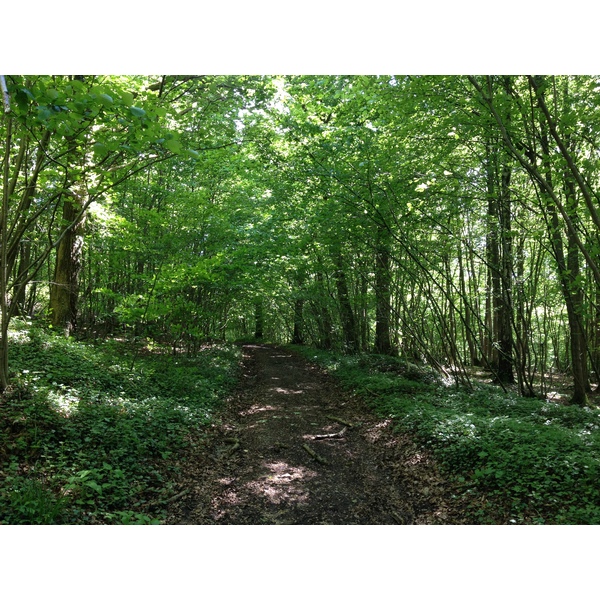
[430, 242]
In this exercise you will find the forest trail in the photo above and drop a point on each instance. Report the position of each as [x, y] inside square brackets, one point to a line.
[264, 462]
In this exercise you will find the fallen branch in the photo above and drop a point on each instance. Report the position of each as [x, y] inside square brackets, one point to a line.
[376, 394]
[338, 420]
[236, 444]
[316, 456]
[403, 518]
[328, 436]
[166, 501]
[172, 498]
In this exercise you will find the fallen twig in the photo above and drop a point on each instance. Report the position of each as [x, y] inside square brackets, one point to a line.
[163, 501]
[328, 436]
[179, 495]
[376, 394]
[316, 456]
[397, 518]
[403, 518]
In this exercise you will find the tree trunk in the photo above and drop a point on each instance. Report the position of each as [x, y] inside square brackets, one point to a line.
[259, 320]
[64, 291]
[298, 337]
[3, 259]
[467, 311]
[383, 343]
[322, 315]
[499, 259]
[20, 287]
[568, 269]
[505, 309]
[346, 313]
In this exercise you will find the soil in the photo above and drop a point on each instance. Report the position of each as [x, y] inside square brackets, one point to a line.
[292, 447]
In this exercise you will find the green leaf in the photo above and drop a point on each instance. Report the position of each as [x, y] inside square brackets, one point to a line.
[105, 99]
[127, 98]
[77, 85]
[29, 94]
[137, 112]
[100, 149]
[192, 153]
[92, 484]
[44, 113]
[173, 146]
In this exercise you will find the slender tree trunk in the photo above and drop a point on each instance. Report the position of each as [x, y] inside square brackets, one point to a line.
[259, 319]
[505, 309]
[568, 269]
[298, 336]
[346, 312]
[362, 310]
[595, 335]
[468, 318]
[24, 260]
[322, 314]
[3, 259]
[383, 343]
[499, 259]
[578, 335]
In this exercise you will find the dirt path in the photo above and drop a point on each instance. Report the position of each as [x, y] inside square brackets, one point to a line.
[256, 466]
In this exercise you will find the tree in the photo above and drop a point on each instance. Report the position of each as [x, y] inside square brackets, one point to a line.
[450, 220]
[50, 119]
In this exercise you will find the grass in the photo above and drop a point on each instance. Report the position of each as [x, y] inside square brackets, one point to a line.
[87, 439]
[519, 460]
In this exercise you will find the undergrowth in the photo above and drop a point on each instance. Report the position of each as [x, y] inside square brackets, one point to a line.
[519, 460]
[85, 438]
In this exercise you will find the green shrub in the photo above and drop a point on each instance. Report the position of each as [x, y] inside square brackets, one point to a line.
[533, 461]
[99, 432]
[30, 502]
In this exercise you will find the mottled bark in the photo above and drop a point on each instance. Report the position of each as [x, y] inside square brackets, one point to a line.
[64, 291]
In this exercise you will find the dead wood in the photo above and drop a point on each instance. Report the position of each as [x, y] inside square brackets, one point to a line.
[316, 456]
[328, 436]
[176, 496]
[168, 500]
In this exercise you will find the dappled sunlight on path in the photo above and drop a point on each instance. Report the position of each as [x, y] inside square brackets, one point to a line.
[296, 449]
